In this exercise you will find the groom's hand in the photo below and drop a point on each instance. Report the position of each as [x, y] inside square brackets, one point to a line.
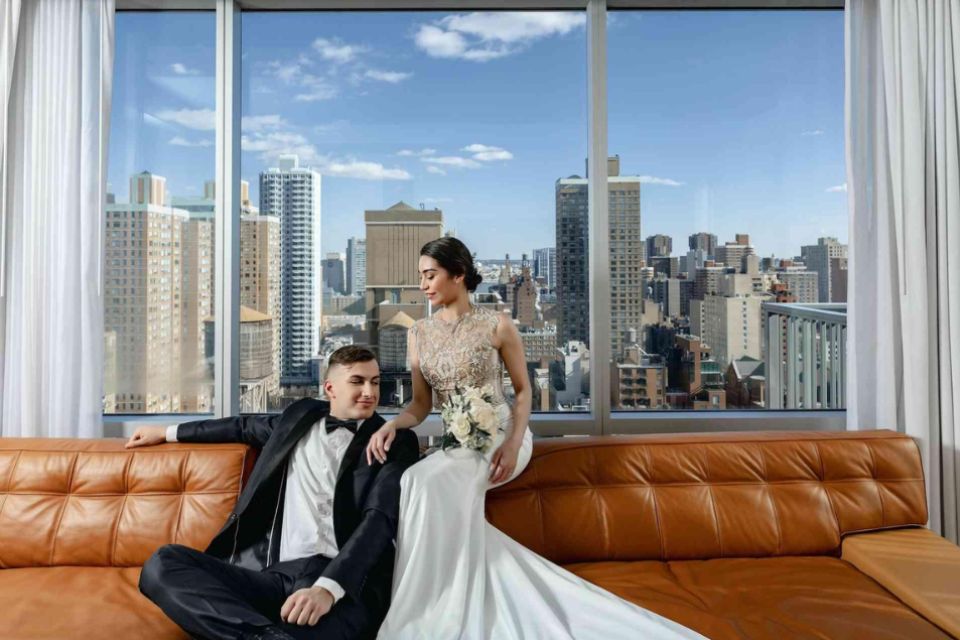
[307, 606]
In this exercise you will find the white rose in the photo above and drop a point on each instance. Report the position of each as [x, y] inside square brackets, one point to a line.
[460, 426]
[473, 396]
[486, 417]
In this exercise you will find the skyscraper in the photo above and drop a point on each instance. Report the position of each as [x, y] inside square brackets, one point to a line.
[729, 321]
[659, 246]
[356, 266]
[627, 249]
[817, 257]
[292, 194]
[143, 301]
[394, 238]
[703, 241]
[260, 284]
[335, 273]
[545, 265]
[731, 254]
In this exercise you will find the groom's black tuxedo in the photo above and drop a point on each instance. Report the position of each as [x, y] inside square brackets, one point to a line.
[365, 512]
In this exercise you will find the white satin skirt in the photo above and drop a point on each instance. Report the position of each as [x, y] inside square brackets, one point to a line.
[459, 578]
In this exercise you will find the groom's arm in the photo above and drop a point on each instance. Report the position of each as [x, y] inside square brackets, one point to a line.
[253, 429]
[378, 526]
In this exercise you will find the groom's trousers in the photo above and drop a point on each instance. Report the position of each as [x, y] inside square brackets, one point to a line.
[214, 600]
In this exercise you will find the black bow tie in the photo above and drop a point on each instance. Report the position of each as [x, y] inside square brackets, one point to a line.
[335, 423]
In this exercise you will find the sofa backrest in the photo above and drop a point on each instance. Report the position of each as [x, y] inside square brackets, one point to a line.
[94, 503]
[709, 496]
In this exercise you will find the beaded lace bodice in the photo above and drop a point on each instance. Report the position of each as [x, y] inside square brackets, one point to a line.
[460, 354]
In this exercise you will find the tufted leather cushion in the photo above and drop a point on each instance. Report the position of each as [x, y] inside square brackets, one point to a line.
[709, 496]
[94, 503]
[800, 598]
[88, 603]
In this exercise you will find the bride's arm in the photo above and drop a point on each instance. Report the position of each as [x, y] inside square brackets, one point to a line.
[510, 346]
[419, 408]
[514, 358]
[412, 415]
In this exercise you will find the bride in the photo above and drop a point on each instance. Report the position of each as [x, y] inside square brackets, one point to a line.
[456, 576]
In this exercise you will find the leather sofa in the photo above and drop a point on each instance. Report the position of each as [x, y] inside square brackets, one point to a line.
[78, 518]
[759, 535]
[737, 536]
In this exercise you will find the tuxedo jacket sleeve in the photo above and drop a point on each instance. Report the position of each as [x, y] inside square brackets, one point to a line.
[378, 525]
[253, 429]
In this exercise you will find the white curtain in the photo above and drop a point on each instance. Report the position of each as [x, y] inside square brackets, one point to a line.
[903, 175]
[53, 153]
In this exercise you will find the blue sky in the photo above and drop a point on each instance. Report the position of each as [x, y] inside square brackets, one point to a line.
[734, 118]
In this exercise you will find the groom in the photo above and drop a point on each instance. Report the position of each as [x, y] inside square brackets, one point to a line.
[308, 551]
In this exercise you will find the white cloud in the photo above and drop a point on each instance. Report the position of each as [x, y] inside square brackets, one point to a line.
[486, 153]
[262, 123]
[437, 200]
[315, 88]
[286, 72]
[179, 141]
[336, 51]
[411, 153]
[183, 70]
[812, 132]
[270, 145]
[480, 37]
[436, 170]
[666, 182]
[453, 161]
[363, 171]
[840, 188]
[393, 77]
[199, 119]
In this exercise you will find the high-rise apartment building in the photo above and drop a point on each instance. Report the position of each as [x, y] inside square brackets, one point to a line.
[394, 238]
[356, 266]
[817, 257]
[730, 322]
[292, 194]
[627, 250]
[702, 241]
[545, 265]
[659, 246]
[731, 254]
[143, 298]
[335, 273]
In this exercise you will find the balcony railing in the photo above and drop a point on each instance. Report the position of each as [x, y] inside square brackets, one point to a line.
[806, 355]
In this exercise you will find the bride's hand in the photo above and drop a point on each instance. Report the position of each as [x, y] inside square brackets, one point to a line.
[504, 461]
[380, 443]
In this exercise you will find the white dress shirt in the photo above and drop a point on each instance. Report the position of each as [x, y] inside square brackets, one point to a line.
[312, 469]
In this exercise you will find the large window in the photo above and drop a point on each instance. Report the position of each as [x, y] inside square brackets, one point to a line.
[719, 234]
[365, 135]
[159, 221]
[728, 222]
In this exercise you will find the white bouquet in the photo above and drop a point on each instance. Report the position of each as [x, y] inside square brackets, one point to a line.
[469, 419]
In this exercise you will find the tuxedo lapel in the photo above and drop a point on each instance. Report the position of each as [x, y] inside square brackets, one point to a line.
[292, 427]
[352, 455]
[345, 509]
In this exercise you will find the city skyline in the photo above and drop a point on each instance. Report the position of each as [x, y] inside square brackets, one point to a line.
[784, 138]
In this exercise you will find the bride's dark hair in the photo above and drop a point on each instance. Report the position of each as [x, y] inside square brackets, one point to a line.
[454, 256]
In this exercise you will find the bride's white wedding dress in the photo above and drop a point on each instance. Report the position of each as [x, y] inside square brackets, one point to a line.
[458, 577]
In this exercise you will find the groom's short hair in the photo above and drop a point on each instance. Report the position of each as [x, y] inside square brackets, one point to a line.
[349, 355]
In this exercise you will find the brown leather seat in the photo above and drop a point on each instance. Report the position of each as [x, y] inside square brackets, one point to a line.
[78, 518]
[734, 535]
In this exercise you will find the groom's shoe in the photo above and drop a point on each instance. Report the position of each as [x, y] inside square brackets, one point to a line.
[269, 633]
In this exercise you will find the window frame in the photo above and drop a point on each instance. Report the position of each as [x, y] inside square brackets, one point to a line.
[600, 420]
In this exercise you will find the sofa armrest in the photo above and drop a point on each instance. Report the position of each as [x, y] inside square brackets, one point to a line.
[917, 566]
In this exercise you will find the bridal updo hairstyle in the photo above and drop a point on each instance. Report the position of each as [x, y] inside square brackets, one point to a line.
[455, 258]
